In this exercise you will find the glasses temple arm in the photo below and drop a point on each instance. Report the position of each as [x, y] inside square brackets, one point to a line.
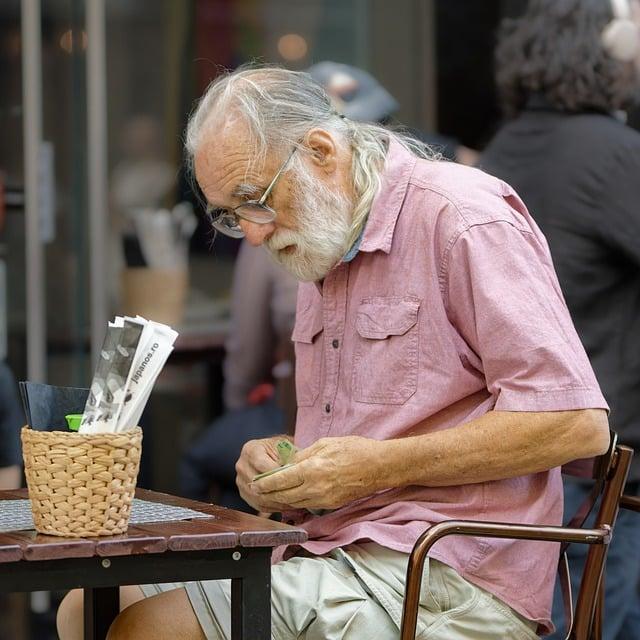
[267, 191]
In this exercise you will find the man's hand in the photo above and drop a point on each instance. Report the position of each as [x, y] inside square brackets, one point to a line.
[256, 457]
[327, 475]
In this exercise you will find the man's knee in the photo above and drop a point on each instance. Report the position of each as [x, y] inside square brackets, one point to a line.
[168, 615]
[70, 618]
[130, 623]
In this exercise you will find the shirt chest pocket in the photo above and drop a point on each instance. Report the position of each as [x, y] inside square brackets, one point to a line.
[307, 336]
[385, 364]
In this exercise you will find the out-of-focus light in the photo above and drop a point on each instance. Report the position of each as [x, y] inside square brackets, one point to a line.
[69, 39]
[292, 46]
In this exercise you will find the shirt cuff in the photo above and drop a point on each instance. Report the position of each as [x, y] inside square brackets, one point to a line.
[568, 399]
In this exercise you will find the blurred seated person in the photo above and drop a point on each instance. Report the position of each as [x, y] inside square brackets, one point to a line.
[258, 371]
[359, 96]
[11, 420]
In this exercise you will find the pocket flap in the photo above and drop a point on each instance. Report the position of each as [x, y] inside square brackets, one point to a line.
[308, 325]
[379, 318]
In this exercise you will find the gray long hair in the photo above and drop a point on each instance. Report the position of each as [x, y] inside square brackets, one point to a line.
[280, 107]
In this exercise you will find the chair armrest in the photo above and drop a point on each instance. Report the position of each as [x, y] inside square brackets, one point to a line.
[630, 502]
[485, 530]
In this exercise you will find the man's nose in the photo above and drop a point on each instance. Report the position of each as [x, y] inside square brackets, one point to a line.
[256, 234]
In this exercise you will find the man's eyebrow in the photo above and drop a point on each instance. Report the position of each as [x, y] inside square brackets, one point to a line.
[242, 190]
[246, 189]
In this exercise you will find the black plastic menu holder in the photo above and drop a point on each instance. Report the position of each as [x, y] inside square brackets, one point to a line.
[46, 405]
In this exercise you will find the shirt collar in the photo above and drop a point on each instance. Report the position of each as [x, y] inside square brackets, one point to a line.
[355, 247]
[385, 208]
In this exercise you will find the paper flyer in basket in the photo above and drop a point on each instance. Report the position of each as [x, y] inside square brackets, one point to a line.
[98, 385]
[113, 383]
[133, 355]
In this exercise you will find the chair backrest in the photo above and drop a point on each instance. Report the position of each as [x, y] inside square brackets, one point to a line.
[596, 469]
[610, 473]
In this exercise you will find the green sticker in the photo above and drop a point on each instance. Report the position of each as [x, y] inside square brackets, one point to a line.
[73, 421]
[286, 451]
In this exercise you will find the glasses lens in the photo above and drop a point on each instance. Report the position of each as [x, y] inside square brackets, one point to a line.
[258, 213]
[227, 223]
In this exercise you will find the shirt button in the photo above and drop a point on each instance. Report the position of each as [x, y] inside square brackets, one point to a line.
[327, 408]
[335, 344]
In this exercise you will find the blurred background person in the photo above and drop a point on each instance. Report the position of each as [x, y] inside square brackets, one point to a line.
[567, 71]
[11, 420]
[259, 397]
[359, 96]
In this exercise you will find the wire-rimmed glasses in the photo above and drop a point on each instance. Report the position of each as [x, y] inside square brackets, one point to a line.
[227, 220]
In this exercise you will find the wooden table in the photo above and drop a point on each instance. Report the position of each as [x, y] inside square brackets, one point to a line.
[229, 544]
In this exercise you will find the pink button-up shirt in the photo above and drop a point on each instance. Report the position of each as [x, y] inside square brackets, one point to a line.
[450, 309]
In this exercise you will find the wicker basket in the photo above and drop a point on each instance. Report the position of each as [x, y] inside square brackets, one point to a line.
[81, 484]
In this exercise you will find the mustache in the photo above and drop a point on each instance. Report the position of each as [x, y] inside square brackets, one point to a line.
[282, 239]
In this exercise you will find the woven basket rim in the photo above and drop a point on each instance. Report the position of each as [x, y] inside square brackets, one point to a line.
[75, 434]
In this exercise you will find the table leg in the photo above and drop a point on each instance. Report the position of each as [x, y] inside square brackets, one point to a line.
[251, 599]
[101, 606]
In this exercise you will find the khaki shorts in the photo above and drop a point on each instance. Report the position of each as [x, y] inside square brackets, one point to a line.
[356, 593]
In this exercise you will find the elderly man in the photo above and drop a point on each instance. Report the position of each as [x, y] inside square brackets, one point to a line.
[438, 376]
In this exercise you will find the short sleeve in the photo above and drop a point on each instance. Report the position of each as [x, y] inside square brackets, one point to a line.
[503, 297]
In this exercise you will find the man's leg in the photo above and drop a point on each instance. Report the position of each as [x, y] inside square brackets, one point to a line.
[316, 598]
[329, 598]
[70, 618]
[166, 615]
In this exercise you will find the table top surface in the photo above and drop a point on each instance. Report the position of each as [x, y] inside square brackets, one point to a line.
[224, 529]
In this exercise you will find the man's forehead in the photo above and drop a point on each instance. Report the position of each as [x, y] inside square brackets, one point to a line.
[222, 159]
[227, 139]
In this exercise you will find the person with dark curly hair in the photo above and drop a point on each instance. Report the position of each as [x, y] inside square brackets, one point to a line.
[567, 71]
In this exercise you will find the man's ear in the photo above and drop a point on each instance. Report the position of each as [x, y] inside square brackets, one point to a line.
[323, 149]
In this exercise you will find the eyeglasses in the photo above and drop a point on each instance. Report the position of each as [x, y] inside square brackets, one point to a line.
[227, 220]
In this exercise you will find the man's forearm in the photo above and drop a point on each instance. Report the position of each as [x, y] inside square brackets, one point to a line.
[499, 444]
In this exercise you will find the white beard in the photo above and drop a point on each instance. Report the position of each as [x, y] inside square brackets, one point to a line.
[324, 219]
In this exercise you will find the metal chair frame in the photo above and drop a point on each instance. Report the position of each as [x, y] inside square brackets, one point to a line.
[610, 473]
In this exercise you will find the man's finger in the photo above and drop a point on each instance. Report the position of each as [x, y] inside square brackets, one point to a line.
[260, 504]
[295, 497]
[304, 454]
[261, 461]
[288, 478]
